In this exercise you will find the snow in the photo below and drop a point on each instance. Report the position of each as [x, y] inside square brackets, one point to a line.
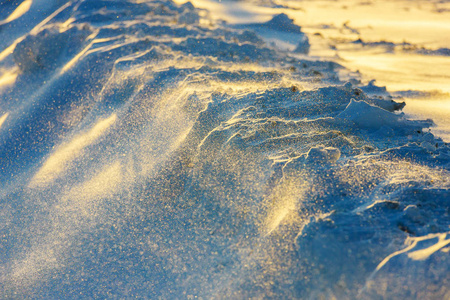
[371, 117]
[150, 150]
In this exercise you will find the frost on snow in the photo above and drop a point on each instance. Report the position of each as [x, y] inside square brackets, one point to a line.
[147, 151]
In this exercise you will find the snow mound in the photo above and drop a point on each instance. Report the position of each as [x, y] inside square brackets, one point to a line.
[44, 49]
[303, 46]
[148, 156]
[373, 118]
[189, 16]
[282, 23]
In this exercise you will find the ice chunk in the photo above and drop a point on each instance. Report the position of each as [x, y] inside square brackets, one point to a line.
[189, 17]
[368, 116]
[323, 154]
[188, 6]
[316, 156]
[303, 46]
[283, 23]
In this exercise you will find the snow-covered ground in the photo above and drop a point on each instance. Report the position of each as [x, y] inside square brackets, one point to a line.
[403, 44]
[150, 150]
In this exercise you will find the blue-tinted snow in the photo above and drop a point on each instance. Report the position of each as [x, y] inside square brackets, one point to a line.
[147, 151]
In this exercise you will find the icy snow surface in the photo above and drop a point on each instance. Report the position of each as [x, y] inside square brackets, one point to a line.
[148, 150]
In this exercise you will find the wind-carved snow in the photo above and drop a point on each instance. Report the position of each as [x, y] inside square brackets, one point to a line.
[63, 156]
[148, 151]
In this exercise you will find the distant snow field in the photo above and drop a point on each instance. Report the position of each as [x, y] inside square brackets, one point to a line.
[231, 150]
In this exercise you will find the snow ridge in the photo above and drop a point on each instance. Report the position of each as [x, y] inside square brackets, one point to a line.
[149, 152]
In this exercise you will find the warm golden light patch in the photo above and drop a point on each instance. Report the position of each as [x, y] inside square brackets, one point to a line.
[8, 78]
[233, 13]
[58, 162]
[438, 109]
[106, 183]
[421, 254]
[5, 53]
[75, 59]
[427, 252]
[402, 71]
[3, 119]
[284, 201]
[18, 12]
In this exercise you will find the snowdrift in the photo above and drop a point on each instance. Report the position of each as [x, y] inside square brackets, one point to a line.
[149, 152]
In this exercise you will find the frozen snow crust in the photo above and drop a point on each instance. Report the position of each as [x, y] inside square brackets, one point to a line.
[147, 152]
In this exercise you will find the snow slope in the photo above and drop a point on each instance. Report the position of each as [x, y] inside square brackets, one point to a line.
[148, 151]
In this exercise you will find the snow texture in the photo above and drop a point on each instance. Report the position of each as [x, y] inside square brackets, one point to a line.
[147, 151]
